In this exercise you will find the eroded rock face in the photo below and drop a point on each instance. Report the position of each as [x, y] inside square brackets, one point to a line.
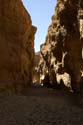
[16, 45]
[62, 50]
[36, 74]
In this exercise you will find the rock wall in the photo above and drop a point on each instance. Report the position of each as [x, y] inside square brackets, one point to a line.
[62, 50]
[16, 46]
[36, 74]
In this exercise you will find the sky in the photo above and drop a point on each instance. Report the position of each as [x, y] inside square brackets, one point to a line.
[41, 12]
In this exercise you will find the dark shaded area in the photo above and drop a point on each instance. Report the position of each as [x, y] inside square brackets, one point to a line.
[41, 106]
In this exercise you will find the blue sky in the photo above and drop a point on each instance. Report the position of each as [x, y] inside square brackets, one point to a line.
[41, 12]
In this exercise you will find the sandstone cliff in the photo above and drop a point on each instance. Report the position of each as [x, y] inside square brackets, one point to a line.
[62, 50]
[16, 46]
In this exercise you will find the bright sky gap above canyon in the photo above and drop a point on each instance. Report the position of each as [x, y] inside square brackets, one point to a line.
[41, 12]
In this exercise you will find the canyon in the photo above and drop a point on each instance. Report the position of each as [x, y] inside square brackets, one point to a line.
[60, 56]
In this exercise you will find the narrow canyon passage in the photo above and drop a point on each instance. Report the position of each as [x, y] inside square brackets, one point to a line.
[26, 98]
[61, 57]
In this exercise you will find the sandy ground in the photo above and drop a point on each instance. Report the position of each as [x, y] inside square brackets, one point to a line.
[41, 106]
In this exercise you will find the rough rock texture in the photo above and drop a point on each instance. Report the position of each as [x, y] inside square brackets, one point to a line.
[62, 50]
[36, 74]
[16, 45]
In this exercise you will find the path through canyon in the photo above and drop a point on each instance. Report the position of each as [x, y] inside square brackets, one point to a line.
[41, 106]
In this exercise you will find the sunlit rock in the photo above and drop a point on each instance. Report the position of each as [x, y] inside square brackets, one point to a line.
[16, 46]
[64, 42]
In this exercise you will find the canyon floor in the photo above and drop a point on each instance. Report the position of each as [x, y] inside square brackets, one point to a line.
[41, 106]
